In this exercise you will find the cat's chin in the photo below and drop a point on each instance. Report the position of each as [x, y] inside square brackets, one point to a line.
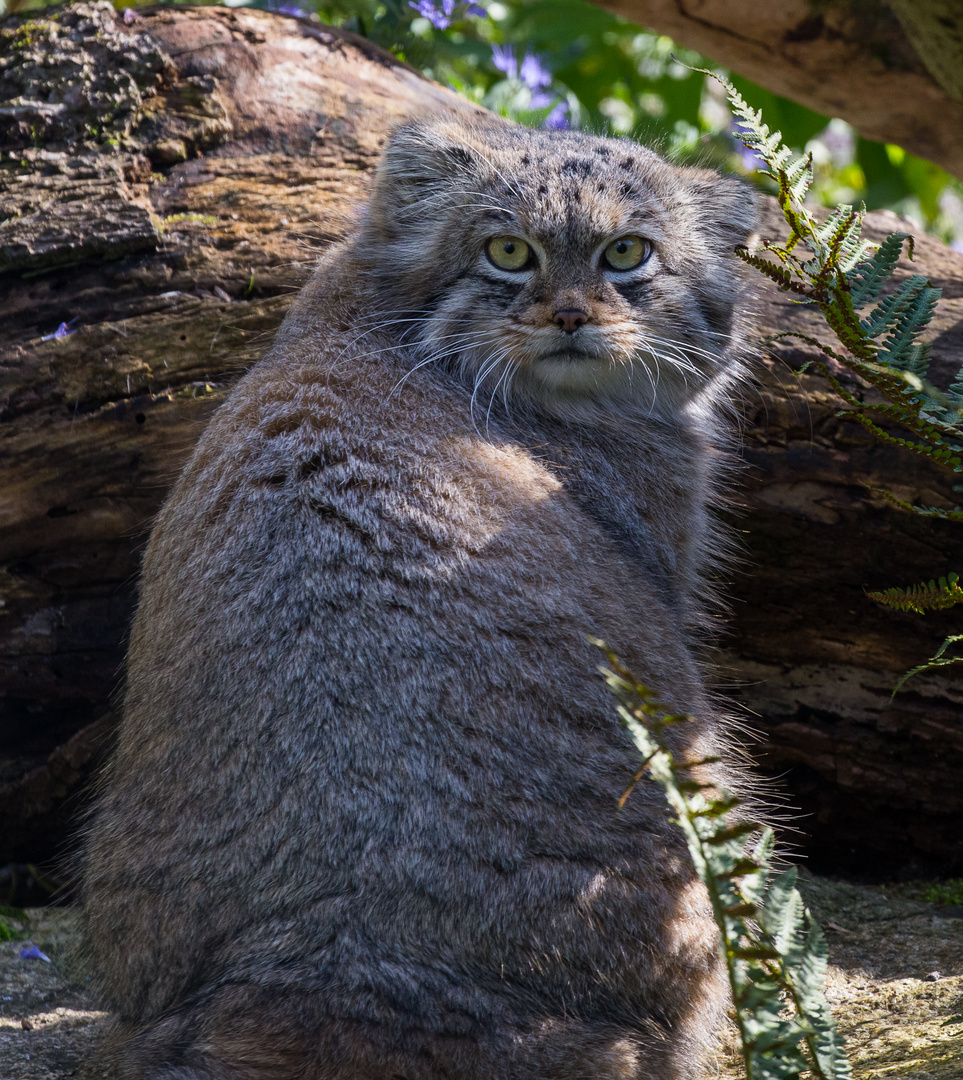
[572, 356]
[567, 377]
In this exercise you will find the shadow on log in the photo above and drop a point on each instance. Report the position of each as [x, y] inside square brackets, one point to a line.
[163, 196]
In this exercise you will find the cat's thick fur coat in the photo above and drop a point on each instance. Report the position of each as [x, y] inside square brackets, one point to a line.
[362, 820]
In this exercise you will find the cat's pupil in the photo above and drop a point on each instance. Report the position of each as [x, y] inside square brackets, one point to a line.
[509, 247]
[621, 247]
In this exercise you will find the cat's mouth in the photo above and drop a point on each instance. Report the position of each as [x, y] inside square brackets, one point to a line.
[570, 356]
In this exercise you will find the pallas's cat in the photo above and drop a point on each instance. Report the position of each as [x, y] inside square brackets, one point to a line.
[362, 820]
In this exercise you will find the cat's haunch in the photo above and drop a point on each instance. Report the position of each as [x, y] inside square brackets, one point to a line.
[362, 820]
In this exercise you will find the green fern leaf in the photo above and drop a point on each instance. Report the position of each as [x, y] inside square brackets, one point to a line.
[870, 275]
[935, 596]
[840, 235]
[937, 660]
[941, 455]
[888, 311]
[900, 350]
[953, 514]
[799, 177]
[824, 1043]
[927, 427]
[783, 1018]
[955, 395]
[779, 274]
[782, 914]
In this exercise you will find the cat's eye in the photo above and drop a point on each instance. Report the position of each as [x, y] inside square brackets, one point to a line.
[627, 252]
[509, 252]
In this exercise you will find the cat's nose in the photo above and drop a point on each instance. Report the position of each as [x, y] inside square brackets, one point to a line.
[570, 319]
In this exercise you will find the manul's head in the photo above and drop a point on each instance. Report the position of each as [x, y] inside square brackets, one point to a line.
[557, 266]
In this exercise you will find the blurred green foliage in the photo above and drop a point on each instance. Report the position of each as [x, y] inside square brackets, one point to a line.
[945, 892]
[607, 75]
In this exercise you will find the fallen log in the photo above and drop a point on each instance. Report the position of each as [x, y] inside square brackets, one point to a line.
[153, 231]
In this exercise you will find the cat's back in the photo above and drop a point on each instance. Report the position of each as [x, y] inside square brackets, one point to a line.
[352, 581]
[366, 790]
[343, 472]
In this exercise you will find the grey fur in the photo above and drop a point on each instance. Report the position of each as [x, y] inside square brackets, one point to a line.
[361, 822]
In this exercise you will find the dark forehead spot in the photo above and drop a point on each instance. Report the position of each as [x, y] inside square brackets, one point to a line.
[601, 188]
[526, 160]
[602, 151]
[577, 166]
[628, 163]
[542, 189]
[626, 190]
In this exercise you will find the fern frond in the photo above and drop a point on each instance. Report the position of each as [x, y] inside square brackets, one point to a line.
[842, 278]
[801, 221]
[934, 596]
[954, 395]
[779, 274]
[900, 349]
[941, 455]
[937, 660]
[840, 235]
[774, 953]
[930, 428]
[888, 310]
[870, 275]
[954, 514]
[883, 346]
[799, 178]
[815, 342]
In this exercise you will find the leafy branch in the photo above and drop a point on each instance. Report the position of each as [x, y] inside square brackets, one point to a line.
[775, 954]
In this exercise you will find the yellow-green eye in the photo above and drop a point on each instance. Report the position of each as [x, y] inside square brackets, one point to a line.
[509, 252]
[627, 252]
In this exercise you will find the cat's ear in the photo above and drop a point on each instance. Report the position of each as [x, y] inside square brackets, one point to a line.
[727, 207]
[423, 162]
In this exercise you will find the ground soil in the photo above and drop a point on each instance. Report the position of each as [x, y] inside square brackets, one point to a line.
[896, 978]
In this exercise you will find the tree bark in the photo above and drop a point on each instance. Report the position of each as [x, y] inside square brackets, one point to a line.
[220, 150]
[892, 71]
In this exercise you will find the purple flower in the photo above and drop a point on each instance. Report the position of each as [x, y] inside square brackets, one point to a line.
[31, 952]
[532, 74]
[503, 57]
[65, 329]
[285, 7]
[478, 12]
[440, 20]
[557, 119]
[749, 159]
